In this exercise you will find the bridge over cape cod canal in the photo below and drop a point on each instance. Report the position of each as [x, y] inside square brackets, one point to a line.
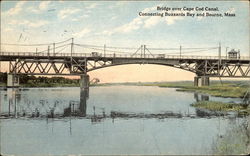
[63, 58]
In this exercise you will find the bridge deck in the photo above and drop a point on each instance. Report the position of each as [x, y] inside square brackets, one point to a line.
[9, 56]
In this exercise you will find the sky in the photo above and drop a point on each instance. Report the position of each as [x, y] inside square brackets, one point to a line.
[118, 24]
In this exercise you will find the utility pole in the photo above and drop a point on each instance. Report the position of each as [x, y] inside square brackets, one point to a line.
[219, 53]
[71, 52]
[239, 53]
[180, 51]
[72, 43]
[48, 50]
[226, 52]
[144, 48]
[36, 51]
[141, 50]
[54, 49]
[219, 62]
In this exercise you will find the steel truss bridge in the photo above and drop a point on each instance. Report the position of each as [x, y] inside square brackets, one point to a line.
[64, 58]
[55, 61]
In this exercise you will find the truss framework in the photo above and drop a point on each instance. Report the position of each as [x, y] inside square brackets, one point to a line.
[74, 66]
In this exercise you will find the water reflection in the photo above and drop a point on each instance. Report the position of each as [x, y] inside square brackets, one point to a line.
[83, 102]
[22, 106]
[57, 109]
[201, 97]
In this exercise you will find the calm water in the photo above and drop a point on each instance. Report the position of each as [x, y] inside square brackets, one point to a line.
[24, 135]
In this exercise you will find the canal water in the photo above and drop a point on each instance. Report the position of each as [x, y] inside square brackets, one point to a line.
[119, 120]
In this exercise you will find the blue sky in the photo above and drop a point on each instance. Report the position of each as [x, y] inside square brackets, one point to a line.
[118, 24]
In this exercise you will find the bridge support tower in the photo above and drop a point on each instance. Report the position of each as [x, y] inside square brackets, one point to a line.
[201, 81]
[84, 94]
[12, 81]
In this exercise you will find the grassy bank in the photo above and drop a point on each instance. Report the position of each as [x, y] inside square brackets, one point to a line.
[228, 90]
[49, 85]
[235, 141]
[41, 84]
[177, 84]
[222, 106]
[235, 89]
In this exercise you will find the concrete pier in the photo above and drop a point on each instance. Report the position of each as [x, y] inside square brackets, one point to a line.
[201, 81]
[84, 94]
[12, 81]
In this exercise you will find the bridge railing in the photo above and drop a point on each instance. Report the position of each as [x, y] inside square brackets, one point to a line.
[115, 55]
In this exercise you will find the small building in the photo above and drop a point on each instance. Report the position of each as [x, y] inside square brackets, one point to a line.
[234, 54]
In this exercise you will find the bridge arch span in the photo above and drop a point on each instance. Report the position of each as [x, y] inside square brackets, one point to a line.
[132, 63]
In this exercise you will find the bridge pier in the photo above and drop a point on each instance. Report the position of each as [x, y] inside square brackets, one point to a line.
[201, 81]
[12, 81]
[84, 94]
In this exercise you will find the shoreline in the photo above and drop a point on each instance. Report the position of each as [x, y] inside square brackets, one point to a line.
[229, 89]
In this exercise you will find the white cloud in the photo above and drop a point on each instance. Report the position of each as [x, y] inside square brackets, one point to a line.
[33, 10]
[114, 17]
[172, 19]
[126, 28]
[13, 22]
[17, 9]
[44, 5]
[67, 12]
[84, 16]
[75, 19]
[145, 21]
[38, 9]
[91, 6]
[8, 29]
[80, 34]
[152, 21]
[231, 10]
[133, 25]
[33, 24]
[36, 24]
[80, 18]
[118, 4]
